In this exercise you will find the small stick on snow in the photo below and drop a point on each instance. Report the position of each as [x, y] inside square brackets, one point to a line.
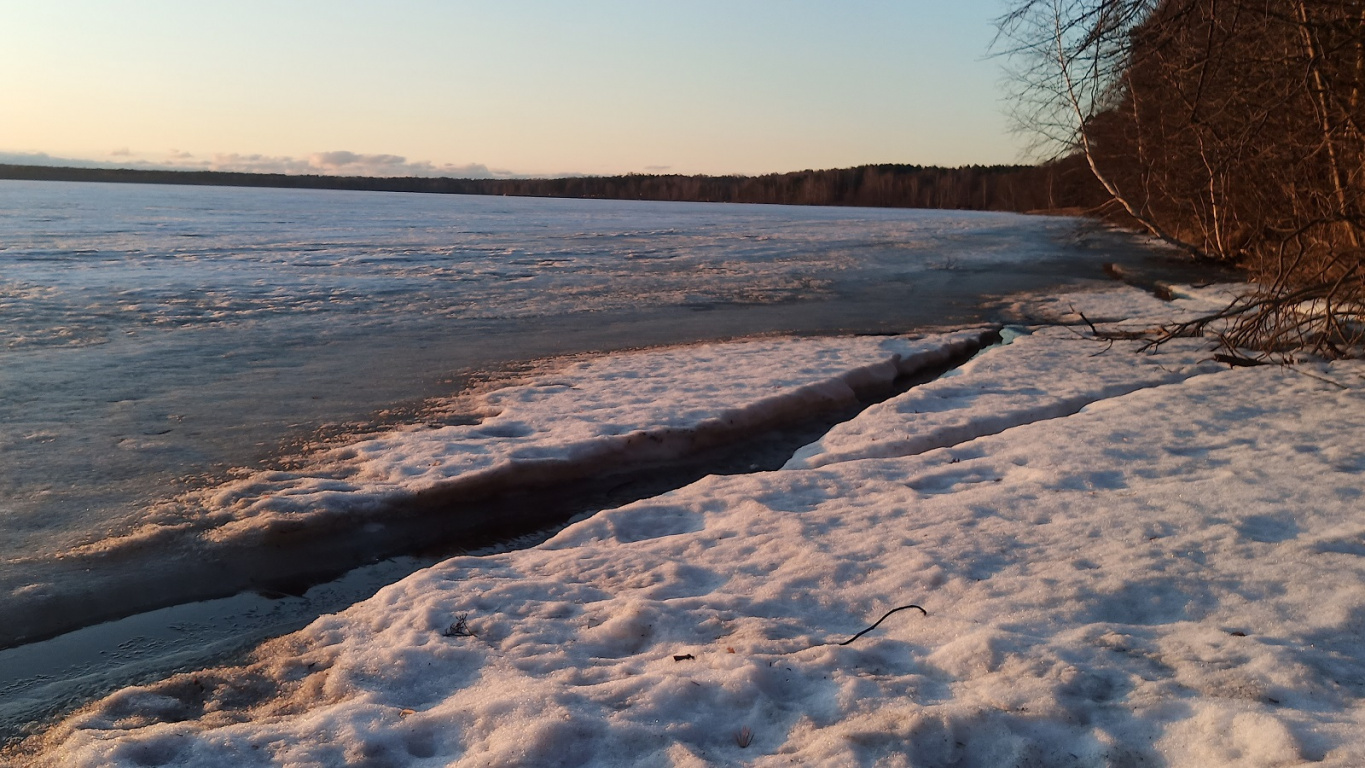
[1238, 361]
[1319, 378]
[879, 621]
[1111, 336]
[460, 628]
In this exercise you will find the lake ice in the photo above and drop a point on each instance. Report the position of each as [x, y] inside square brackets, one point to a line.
[159, 340]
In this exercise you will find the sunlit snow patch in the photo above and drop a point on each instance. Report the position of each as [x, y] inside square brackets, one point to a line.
[1052, 372]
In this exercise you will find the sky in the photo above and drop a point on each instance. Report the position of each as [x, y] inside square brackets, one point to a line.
[505, 87]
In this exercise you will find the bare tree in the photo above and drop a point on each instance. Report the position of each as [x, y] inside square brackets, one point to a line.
[1230, 128]
[1068, 60]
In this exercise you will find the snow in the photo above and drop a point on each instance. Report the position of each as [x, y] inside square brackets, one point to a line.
[569, 419]
[575, 419]
[1053, 372]
[1168, 570]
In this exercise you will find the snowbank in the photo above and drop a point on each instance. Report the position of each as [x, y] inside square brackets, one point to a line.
[1050, 373]
[421, 485]
[602, 413]
[1169, 575]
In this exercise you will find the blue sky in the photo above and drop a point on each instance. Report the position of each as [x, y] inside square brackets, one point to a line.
[421, 86]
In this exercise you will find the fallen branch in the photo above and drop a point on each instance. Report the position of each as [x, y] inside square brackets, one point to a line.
[879, 621]
[1111, 336]
[1238, 361]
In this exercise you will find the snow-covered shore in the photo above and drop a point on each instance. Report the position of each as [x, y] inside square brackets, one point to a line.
[1125, 560]
[407, 487]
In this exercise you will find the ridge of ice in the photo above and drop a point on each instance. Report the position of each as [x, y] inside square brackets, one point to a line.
[589, 416]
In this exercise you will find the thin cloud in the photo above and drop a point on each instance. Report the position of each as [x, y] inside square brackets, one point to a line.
[346, 163]
[43, 158]
[333, 163]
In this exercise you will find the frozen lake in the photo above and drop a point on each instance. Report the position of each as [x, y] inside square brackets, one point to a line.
[155, 337]
[162, 342]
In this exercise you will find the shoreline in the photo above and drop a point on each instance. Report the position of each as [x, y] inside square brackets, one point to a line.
[276, 531]
[152, 624]
[641, 533]
[252, 575]
[999, 188]
[157, 393]
[157, 623]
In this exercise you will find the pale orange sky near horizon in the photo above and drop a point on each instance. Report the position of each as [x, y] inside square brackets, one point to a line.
[457, 88]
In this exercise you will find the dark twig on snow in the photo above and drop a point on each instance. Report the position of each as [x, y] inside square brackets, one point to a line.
[1238, 361]
[460, 628]
[1111, 336]
[879, 621]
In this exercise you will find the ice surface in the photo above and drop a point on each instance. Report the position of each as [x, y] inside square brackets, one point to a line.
[88, 263]
[1175, 576]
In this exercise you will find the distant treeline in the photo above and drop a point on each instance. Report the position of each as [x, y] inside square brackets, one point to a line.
[1064, 184]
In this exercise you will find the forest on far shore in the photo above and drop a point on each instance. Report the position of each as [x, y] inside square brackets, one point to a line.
[1065, 184]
